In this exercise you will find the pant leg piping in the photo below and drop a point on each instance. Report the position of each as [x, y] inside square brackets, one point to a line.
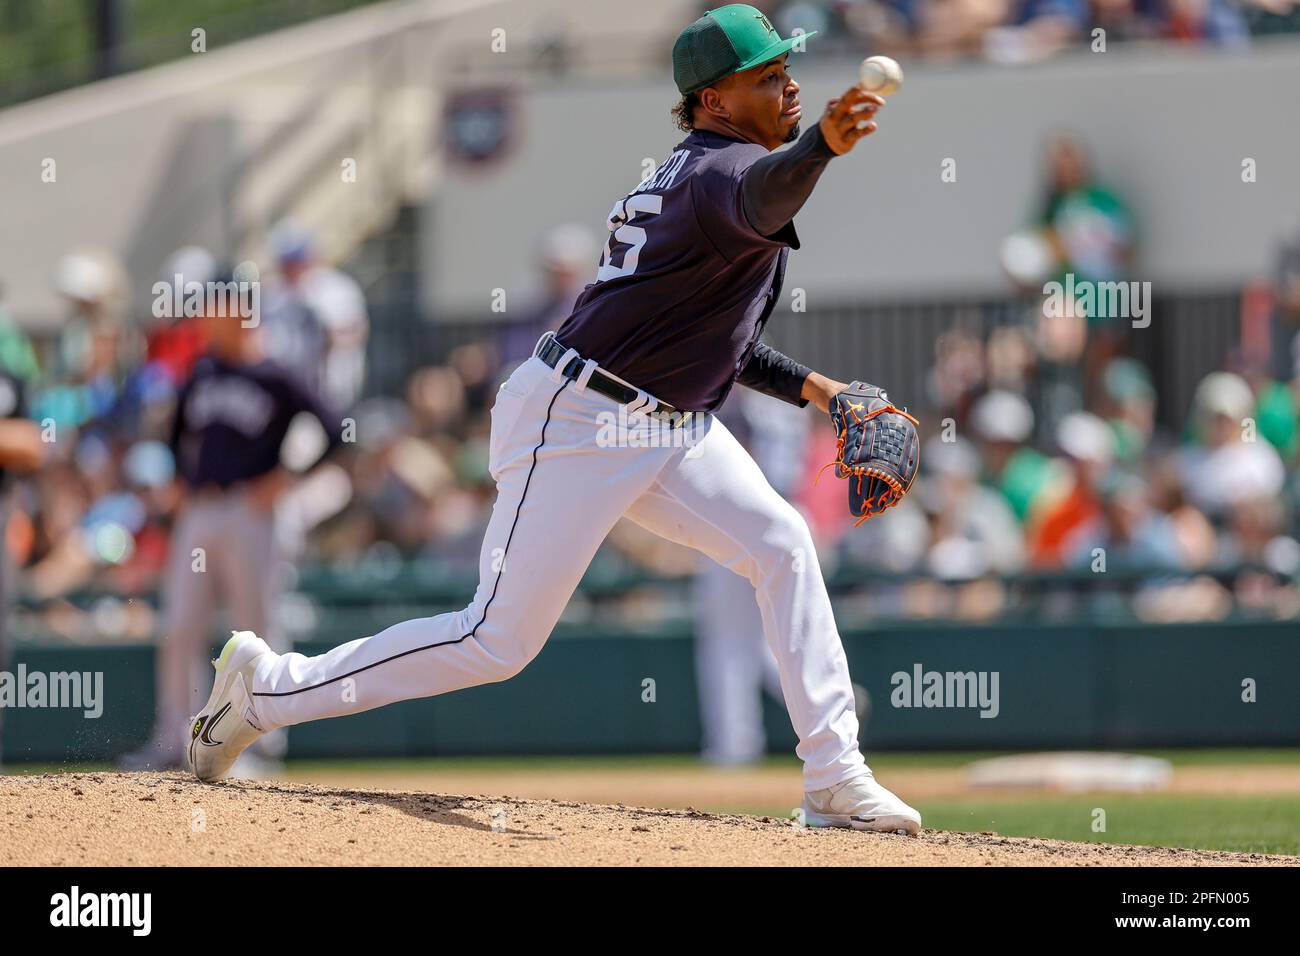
[427, 647]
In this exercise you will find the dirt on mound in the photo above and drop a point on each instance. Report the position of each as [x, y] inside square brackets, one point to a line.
[170, 819]
[767, 788]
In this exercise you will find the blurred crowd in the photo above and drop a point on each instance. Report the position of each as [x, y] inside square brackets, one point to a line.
[1016, 31]
[1204, 518]
[97, 514]
[1048, 455]
[1044, 451]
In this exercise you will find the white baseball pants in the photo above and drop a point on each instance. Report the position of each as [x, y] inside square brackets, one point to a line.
[566, 472]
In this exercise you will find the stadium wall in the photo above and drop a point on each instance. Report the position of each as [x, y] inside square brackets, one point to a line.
[882, 224]
[1058, 687]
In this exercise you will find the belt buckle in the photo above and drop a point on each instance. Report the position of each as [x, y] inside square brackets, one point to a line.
[674, 418]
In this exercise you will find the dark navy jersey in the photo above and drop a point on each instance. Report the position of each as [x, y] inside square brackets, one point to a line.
[685, 284]
[231, 420]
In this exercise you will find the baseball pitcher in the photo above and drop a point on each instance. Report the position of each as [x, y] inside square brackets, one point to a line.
[612, 416]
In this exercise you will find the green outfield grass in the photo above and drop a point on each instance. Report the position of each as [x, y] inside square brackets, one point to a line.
[1246, 824]
[1245, 756]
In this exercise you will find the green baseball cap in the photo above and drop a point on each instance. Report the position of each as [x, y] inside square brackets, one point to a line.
[725, 41]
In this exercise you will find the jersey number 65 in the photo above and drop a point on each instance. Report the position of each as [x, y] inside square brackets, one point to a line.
[625, 237]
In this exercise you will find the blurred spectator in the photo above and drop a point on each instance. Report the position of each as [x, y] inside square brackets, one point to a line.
[957, 28]
[1122, 20]
[1067, 517]
[1197, 542]
[17, 357]
[1275, 412]
[1004, 424]
[1011, 359]
[567, 260]
[1026, 31]
[1214, 22]
[314, 318]
[175, 342]
[1256, 535]
[1035, 30]
[975, 531]
[1286, 307]
[92, 348]
[1265, 17]
[1091, 230]
[1130, 404]
[1087, 223]
[891, 27]
[1134, 535]
[806, 15]
[1227, 462]
[959, 370]
[1066, 352]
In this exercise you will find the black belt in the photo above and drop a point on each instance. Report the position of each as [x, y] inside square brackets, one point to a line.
[551, 351]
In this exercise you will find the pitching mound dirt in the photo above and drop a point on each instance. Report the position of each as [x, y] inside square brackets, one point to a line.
[169, 819]
[774, 789]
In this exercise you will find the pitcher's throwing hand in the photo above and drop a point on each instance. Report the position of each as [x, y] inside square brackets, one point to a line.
[849, 118]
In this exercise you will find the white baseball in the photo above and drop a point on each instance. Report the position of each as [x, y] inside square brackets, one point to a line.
[880, 75]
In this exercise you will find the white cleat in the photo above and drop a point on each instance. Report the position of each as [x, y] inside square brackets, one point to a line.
[860, 803]
[227, 723]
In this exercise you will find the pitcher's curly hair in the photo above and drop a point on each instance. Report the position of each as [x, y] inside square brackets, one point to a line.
[684, 112]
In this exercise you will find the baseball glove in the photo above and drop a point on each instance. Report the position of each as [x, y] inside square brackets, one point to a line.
[876, 447]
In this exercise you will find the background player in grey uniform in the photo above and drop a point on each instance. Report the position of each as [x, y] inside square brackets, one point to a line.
[21, 450]
[734, 667]
[587, 431]
[231, 420]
